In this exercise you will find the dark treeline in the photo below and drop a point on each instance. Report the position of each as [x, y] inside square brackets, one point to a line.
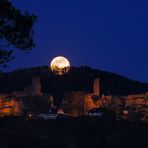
[78, 79]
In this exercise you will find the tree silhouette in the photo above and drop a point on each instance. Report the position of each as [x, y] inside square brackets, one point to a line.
[15, 31]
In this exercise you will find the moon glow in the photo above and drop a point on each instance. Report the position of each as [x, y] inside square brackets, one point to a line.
[60, 65]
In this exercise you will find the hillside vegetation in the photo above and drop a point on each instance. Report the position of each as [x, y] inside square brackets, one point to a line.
[78, 79]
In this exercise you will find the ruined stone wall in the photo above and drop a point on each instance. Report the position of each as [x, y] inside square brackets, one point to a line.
[96, 87]
[73, 103]
[91, 101]
[10, 106]
[36, 86]
[34, 89]
[37, 104]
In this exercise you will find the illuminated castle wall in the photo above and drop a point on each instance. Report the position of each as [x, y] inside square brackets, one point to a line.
[79, 103]
[10, 106]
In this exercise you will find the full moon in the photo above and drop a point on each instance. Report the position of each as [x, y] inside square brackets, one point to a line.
[60, 65]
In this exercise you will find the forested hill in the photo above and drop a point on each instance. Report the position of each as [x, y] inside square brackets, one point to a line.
[78, 79]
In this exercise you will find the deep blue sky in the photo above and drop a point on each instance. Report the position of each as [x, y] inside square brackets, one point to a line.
[110, 35]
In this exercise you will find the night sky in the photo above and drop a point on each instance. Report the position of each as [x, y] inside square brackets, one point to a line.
[110, 35]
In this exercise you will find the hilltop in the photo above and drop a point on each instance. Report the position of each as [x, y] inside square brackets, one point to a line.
[78, 79]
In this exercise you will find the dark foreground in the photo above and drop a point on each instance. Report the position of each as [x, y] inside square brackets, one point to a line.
[72, 133]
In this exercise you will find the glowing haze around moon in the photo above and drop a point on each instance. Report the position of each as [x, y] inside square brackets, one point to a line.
[60, 65]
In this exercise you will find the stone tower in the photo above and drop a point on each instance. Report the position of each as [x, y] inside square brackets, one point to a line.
[36, 86]
[96, 87]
